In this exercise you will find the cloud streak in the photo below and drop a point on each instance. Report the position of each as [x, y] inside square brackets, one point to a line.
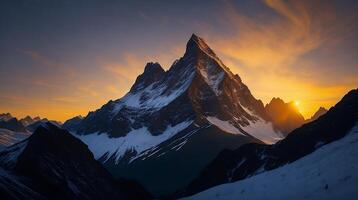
[296, 28]
[270, 50]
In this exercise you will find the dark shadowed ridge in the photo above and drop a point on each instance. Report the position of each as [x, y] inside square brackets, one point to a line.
[53, 164]
[251, 159]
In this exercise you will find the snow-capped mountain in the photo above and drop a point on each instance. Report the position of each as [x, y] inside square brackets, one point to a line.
[13, 130]
[28, 120]
[251, 159]
[12, 124]
[328, 173]
[190, 113]
[53, 164]
[42, 122]
[5, 116]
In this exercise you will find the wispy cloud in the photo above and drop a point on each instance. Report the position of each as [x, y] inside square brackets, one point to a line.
[269, 50]
[297, 28]
[128, 67]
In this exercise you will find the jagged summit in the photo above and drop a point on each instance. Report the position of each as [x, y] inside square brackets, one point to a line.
[152, 73]
[153, 67]
[28, 120]
[284, 116]
[276, 100]
[5, 116]
[321, 111]
[197, 45]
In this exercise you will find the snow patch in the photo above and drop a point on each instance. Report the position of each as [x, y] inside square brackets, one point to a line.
[156, 95]
[137, 140]
[224, 125]
[263, 131]
[8, 137]
[10, 154]
[213, 80]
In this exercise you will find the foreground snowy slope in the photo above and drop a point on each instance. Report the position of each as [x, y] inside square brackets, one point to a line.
[251, 159]
[328, 173]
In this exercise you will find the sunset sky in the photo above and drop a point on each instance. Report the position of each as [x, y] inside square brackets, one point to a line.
[59, 59]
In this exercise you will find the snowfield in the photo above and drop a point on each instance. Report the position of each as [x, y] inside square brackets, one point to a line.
[224, 125]
[259, 129]
[263, 131]
[156, 95]
[137, 140]
[8, 138]
[12, 153]
[331, 172]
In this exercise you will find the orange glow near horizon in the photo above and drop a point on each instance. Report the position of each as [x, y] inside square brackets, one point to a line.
[301, 52]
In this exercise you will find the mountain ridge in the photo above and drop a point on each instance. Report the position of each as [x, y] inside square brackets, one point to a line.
[251, 159]
[55, 165]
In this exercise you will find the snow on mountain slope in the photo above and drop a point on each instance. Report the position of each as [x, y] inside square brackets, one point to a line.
[328, 173]
[9, 155]
[8, 137]
[156, 95]
[224, 125]
[137, 140]
[56, 165]
[263, 131]
[259, 129]
[212, 76]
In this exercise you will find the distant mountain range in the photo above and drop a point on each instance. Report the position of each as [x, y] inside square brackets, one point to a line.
[13, 130]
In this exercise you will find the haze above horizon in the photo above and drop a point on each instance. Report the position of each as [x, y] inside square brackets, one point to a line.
[66, 58]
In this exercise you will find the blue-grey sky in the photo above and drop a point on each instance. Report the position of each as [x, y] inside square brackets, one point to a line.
[63, 58]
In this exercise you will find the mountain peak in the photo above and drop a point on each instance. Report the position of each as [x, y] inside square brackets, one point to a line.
[152, 73]
[197, 44]
[194, 37]
[276, 100]
[153, 67]
[284, 116]
[321, 111]
[5, 116]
